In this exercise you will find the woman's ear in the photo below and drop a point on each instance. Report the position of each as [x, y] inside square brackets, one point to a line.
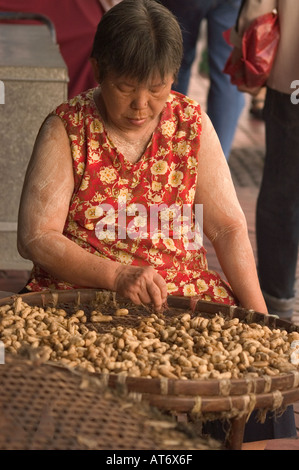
[95, 68]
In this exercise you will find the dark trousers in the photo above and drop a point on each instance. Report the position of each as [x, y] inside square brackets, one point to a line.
[274, 427]
[277, 215]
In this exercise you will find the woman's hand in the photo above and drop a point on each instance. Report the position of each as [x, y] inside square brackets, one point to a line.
[142, 285]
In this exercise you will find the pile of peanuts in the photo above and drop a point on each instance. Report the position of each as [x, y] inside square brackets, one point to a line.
[183, 347]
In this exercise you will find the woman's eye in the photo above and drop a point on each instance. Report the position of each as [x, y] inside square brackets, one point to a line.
[126, 88]
[157, 89]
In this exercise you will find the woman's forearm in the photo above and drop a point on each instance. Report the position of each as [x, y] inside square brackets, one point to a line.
[65, 260]
[236, 258]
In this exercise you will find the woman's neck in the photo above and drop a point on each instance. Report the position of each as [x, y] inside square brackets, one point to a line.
[131, 143]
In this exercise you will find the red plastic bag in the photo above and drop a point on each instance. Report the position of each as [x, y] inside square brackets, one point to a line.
[259, 46]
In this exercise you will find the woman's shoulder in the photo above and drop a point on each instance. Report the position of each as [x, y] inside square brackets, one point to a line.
[183, 105]
[76, 104]
[177, 98]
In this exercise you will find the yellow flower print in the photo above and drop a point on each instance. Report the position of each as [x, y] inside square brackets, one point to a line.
[76, 154]
[72, 227]
[170, 98]
[169, 243]
[89, 226]
[202, 285]
[74, 101]
[220, 291]
[108, 175]
[156, 199]
[156, 186]
[94, 144]
[123, 195]
[190, 196]
[192, 162]
[94, 157]
[161, 152]
[182, 148]
[140, 221]
[175, 178]
[159, 168]
[156, 237]
[189, 290]
[181, 134]
[189, 110]
[171, 275]
[171, 287]
[80, 168]
[98, 197]
[208, 298]
[125, 258]
[93, 212]
[109, 218]
[121, 245]
[85, 183]
[194, 131]
[157, 261]
[96, 126]
[168, 128]
[107, 235]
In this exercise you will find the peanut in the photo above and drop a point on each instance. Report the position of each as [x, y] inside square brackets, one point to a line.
[181, 347]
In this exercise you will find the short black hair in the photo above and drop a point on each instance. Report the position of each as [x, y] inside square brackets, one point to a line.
[136, 38]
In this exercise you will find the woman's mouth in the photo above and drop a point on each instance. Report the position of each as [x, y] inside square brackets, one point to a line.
[137, 121]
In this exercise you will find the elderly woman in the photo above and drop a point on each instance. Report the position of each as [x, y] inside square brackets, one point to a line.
[109, 166]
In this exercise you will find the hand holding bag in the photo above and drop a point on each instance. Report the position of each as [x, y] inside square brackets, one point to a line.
[252, 67]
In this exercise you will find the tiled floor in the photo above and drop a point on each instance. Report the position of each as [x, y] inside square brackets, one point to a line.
[246, 164]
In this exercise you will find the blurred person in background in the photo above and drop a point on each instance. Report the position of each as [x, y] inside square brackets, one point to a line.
[277, 215]
[224, 102]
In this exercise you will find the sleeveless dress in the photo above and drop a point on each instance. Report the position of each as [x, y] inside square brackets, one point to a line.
[139, 213]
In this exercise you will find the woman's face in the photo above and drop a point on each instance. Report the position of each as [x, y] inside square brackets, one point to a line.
[132, 106]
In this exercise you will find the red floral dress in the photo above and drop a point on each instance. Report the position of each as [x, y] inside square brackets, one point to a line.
[137, 213]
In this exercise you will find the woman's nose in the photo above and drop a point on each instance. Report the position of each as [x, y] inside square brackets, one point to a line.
[140, 100]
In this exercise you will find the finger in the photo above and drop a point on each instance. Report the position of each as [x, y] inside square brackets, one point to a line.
[137, 292]
[155, 295]
[144, 295]
[162, 286]
[141, 288]
[134, 297]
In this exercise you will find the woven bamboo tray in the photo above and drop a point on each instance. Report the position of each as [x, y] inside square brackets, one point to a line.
[231, 399]
[47, 407]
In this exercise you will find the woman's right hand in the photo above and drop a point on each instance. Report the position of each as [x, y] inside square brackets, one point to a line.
[142, 285]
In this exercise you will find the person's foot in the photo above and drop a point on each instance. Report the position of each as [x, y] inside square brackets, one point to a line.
[257, 106]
